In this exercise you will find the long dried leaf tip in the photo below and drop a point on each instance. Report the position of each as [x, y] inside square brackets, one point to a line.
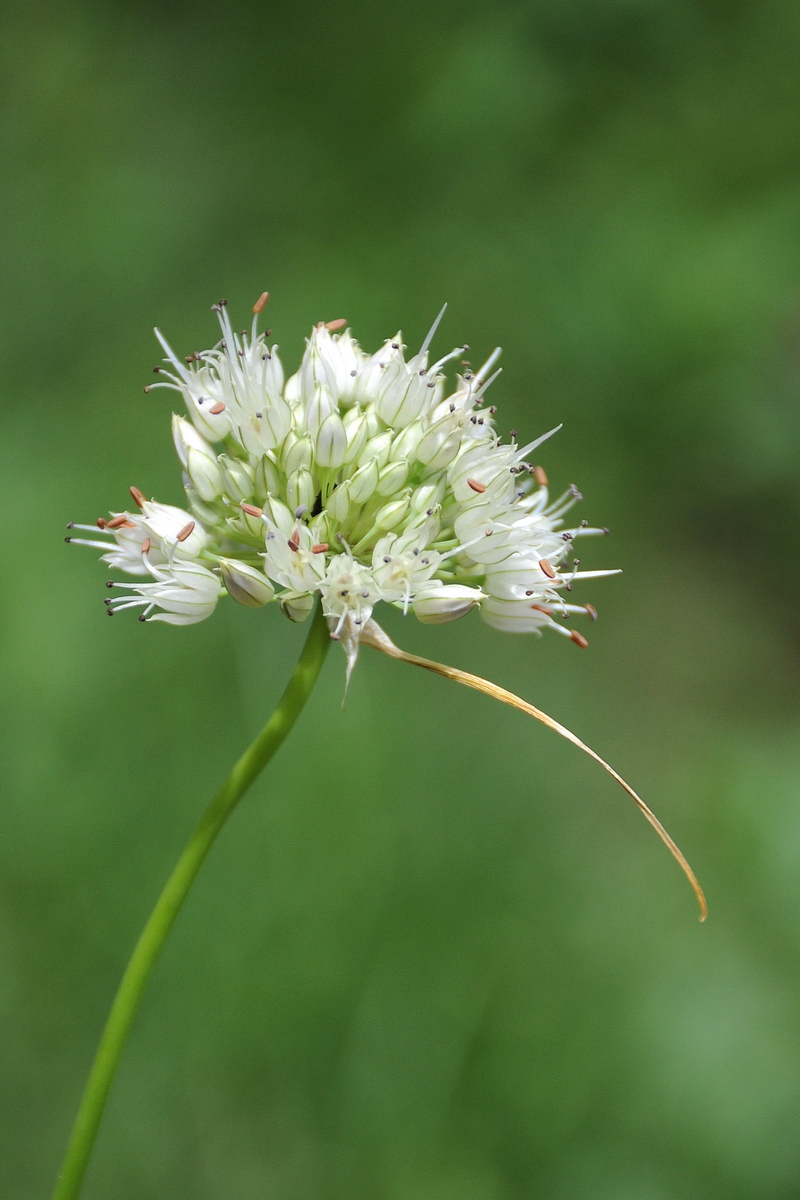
[373, 635]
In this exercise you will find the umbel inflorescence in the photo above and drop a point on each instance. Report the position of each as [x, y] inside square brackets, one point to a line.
[359, 479]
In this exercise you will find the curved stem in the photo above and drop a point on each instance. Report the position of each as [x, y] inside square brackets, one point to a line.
[130, 991]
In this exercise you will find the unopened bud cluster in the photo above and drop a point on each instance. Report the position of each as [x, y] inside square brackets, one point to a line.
[358, 479]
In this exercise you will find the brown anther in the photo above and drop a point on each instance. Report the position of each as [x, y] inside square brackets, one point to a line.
[186, 531]
[337, 324]
[217, 408]
[146, 546]
[591, 610]
[540, 475]
[118, 522]
[476, 485]
[138, 496]
[541, 608]
[252, 510]
[545, 567]
[101, 522]
[260, 302]
[320, 548]
[294, 541]
[578, 638]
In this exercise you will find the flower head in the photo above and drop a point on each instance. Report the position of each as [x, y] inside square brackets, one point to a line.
[358, 479]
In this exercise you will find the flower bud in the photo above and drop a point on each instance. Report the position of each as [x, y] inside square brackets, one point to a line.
[300, 489]
[357, 430]
[405, 444]
[339, 502]
[440, 444]
[428, 495]
[204, 474]
[331, 444]
[185, 435]
[317, 408]
[299, 454]
[390, 516]
[245, 584]
[268, 480]
[363, 483]
[238, 478]
[393, 477]
[297, 605]
[377, 448]
[437, 605]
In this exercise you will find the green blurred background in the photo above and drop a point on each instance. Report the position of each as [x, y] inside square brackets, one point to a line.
[436, 955]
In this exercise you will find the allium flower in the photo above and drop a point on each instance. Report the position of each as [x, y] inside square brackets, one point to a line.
[359, 479]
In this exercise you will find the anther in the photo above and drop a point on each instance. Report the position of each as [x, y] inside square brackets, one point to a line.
[513, 434]
[578, 638]
[118, 522]
[142, 617]
[146, 389]
[395, 345]
[476, 485]
[584, 524]
[540, 475]
[101, 522]
[546, 569]
[575, 493]
[138, 496]
[339, 323]
[319, 548]
[109, 612]
[67, 539]
[493, 409]
[591, 610]
[110, 583]
[548, 612]
[260, 302]
[146, 546]
[252, 510]
[186, 531]
[156, 370]
[217, 408]
[301, 511]
[294, 541]
[566, 537]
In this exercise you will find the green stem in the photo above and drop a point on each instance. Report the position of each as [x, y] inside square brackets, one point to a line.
[154, 934]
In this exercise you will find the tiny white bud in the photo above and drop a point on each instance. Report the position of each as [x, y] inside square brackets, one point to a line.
[437, 605]
[363, 483]
[339, 502]
[390, 516]
[204, 474]
[297, 605]
[393, 477]
[377, 448]
[299, 454]
[331, 442]
[245, 584]
[238, 478]
[300, 489]
[268, 480]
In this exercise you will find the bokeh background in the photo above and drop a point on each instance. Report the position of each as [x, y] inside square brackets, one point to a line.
[436, 955]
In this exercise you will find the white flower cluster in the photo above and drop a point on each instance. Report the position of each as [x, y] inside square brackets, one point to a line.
[357, 479]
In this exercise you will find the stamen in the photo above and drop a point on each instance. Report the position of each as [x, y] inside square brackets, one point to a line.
[476, 485]
[540, 475]
[578, 639]
[146, 546]
[320, 548]
[339, 323]
[138, 496]
[252, 510]
[591, 611]
[545, 567]
[217, 408]
[186, 531]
